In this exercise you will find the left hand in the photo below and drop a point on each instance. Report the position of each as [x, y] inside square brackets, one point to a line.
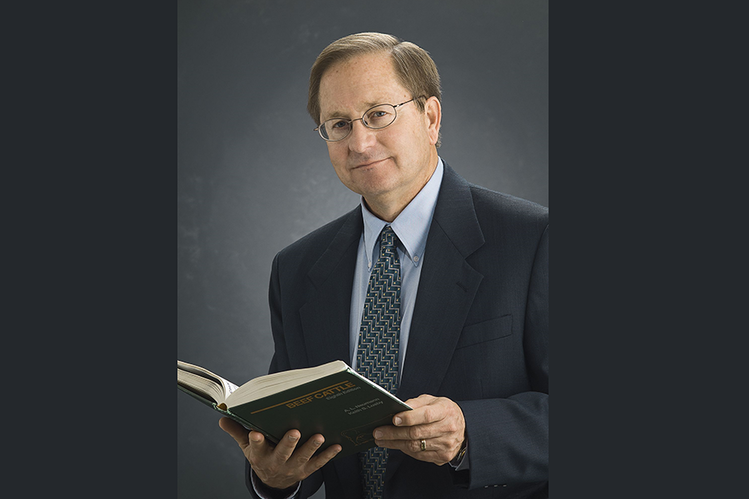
[436, 420]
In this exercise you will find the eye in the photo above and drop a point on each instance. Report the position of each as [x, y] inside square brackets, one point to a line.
[338, 124]
[378, 114]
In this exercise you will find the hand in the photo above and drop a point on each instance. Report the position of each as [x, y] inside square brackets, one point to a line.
[284, 465]
[436, 420]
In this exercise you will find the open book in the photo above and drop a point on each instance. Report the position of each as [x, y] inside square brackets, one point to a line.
[331, 399]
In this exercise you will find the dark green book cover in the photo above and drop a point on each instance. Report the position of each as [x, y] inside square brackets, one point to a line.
[344, 407]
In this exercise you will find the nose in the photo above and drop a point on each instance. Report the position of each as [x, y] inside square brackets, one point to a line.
[361, 138]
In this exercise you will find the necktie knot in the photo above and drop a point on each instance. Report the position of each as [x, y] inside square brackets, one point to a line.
[387, 236]
[388, 240]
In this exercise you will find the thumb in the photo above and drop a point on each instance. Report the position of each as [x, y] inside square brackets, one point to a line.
[236, 430]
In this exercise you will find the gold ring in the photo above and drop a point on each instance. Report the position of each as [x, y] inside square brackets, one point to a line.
[423, 444]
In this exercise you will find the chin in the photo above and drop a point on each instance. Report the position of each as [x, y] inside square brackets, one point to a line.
[374, 183]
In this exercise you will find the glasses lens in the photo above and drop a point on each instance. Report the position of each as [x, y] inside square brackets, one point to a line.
[379, 116]
[335, 129]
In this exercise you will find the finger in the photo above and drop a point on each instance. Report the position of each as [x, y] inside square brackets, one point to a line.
[416, 432]
[424, 414]
[437, 443]
[306, 451]
[258, 444]
[236, 430]
[437, 451]
[415, 404]
[286, 446]
[420, 401]
[432, 454]
[322, 459]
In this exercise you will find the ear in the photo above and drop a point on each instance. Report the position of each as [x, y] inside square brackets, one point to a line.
[433, 117]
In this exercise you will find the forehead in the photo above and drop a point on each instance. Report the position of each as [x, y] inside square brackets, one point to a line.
[352, 86]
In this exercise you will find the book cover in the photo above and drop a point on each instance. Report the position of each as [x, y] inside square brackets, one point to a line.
[344, 407]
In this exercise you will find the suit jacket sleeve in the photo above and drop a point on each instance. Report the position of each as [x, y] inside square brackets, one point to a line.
[508, 437]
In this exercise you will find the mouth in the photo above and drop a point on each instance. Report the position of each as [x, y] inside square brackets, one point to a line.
[368, 164]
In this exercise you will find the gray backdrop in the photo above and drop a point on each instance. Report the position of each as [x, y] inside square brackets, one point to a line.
[253, 177]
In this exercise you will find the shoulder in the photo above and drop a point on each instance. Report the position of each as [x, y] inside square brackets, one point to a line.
[506, 219]
[490, 208]
[506, 206]
[309, 248]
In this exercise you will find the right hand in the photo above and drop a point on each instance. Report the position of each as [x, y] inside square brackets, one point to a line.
[283, 465]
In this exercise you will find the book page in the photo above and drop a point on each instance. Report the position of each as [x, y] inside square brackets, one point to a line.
[277, 382]
[212, 385]
[203, 386]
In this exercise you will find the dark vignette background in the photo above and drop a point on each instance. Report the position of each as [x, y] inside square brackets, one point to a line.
[253, 177]
[646, 148]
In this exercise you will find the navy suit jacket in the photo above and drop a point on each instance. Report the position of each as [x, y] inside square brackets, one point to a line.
[479, 336]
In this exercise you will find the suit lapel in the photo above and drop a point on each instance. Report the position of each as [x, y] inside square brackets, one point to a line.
[446, 290]
[447, 287]
[325, 317]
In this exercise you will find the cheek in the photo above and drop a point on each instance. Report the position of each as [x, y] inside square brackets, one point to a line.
[335, 154]
[338, 158]
[406, 138]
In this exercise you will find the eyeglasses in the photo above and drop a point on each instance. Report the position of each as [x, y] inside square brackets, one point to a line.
[375, 118]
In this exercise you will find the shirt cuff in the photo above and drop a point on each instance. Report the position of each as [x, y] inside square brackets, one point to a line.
[462, 463]
[262, 490]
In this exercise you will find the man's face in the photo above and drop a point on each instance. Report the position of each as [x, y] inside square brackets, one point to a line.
[390, 165]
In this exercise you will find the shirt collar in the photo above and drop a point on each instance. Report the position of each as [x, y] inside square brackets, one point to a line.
[412, 224]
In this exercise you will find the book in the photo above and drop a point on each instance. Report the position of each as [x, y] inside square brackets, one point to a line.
[331, 399]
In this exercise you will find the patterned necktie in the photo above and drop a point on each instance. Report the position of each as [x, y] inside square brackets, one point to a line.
[377, 353]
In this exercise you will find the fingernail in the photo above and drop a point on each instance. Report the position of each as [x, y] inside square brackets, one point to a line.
[397, 421]
[378, 434]
[293, 438]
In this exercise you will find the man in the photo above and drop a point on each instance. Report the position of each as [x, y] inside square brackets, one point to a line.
[471, 271]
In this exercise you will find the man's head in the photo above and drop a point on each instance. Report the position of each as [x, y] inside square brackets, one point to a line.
[387, 166]
[414, 68]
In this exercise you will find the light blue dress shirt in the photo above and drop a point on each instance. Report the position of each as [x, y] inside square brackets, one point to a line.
[412, 227]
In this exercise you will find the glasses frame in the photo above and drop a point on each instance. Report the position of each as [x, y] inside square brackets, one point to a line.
[351, 122]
